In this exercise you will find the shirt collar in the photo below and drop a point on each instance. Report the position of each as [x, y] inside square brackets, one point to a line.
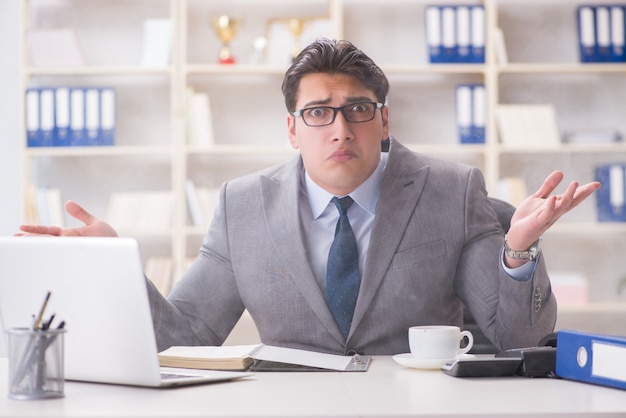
[366, 195]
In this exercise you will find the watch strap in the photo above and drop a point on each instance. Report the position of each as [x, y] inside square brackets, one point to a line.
[530, 254]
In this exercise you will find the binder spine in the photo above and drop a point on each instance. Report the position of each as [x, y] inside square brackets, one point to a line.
[77, 117]
[477, 53]
[618, 37]
[62, 117]
[591, 358]
[610, 198]
[92, 116]
[33, 132]
[433, 33]
[46, 117]
[107, 116]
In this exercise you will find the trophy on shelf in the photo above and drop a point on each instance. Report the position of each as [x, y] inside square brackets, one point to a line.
[226, 28]
[296, 26]
[286, 35]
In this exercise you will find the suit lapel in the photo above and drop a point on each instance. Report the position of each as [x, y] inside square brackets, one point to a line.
[280, 205]
[401, 188]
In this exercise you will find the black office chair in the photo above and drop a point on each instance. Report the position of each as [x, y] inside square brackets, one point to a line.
[482, 344]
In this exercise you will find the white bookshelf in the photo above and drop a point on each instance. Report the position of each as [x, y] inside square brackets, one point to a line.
[249, 116]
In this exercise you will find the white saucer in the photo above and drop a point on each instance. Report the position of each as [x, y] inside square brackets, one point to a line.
[407, 360]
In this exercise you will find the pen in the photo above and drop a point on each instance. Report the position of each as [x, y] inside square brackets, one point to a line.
[47, 323]
[43, 308]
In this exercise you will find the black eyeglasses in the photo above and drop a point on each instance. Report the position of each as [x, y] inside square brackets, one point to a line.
[325, 115]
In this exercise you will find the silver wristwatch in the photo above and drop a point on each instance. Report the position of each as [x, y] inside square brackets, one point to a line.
[529, 255]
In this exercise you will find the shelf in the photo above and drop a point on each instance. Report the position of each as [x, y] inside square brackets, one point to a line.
[234, 69]
[241, 150]
[96, 151]
[391, 69]
[98, 70]
[619, 147]
[567, 68]
[442, 149]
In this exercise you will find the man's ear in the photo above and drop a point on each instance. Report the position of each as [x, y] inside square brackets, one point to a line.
[291, 131]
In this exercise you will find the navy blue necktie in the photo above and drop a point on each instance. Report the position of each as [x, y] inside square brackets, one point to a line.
[342, 274]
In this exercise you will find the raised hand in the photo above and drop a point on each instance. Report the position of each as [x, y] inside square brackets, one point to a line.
[93, 227]
[538, 212]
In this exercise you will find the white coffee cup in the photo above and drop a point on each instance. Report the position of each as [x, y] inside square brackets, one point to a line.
[438, 341]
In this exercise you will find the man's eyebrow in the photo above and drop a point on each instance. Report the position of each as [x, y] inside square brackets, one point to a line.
[323, 102]
[317, 103]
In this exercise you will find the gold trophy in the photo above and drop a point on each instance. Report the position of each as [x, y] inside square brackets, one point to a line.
[296, 26]
[226, 28]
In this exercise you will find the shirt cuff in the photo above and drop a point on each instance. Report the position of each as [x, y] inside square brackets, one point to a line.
[522, 273]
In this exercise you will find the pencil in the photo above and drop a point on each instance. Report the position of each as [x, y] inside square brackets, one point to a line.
[43, 309]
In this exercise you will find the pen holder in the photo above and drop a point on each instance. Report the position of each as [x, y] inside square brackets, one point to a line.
[36, 369]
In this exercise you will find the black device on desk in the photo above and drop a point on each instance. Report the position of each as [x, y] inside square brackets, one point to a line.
[482, 366]
[529, 362]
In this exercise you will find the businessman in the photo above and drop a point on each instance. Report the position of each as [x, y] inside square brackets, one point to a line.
[415, 240]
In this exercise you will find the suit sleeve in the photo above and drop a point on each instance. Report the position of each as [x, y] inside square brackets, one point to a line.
[510, 312]
[204, 305]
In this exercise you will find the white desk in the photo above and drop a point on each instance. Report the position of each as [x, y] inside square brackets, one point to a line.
[386, 390]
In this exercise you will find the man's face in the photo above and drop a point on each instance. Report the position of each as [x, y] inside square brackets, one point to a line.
[341, 156]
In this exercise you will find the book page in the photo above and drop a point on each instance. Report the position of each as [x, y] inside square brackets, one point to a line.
[210, 352]
[302, 357]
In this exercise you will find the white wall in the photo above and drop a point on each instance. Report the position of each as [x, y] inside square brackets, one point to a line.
[10, 201]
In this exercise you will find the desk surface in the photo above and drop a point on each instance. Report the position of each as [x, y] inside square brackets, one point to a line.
[386, 390]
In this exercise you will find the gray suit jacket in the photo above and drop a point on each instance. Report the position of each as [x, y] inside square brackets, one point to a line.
[435, 243]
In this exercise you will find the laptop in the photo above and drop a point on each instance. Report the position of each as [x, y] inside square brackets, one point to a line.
[98, 288]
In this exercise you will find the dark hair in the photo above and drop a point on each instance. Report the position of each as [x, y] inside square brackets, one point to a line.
[333, 57]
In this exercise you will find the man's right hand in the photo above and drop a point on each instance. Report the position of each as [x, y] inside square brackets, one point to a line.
[93, 227]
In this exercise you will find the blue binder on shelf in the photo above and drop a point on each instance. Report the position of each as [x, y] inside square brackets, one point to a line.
[601, 33]
[433, 33]
[33, 132]
[477, 38]
[107, 116]
[463, 34]
[471, 113]
[591, 358]
[455, 33]
[92, 116]
[448, 35]
[610, 198]
[70, 116]
[587, 33]
[62, 117]
[618, 36]
[46, 117]
[77, 117]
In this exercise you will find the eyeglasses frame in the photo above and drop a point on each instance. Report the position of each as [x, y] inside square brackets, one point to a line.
[337, 110]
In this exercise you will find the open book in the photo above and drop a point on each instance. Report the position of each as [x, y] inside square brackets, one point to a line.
[258, 357]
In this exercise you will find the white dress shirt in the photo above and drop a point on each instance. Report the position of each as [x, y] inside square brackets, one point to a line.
[319, 218]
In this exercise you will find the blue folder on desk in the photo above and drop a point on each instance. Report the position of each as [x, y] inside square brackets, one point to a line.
[591, 358]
